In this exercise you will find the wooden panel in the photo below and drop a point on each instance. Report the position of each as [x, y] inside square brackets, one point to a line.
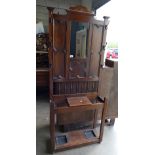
[67, 109]
[78, 101]
[59, 35]
[108, 87]
[105, 82]
[77, 79]
[113, 98]
[75, 118]
[77, 114]
[95, 50]
[58, 99]
[73, 87]
[59, 48]
[59, 60]
[74, 78]
[50, 54]
[77, 67]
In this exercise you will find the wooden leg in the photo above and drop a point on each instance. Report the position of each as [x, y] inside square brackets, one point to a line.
[52, 127]
[102, 121]
[110, 122]
[95, 119]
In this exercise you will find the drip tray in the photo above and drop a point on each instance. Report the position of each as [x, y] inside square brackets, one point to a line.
[89, 134]
[61, 139]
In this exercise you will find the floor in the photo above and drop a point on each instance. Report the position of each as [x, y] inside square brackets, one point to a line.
[107, 147]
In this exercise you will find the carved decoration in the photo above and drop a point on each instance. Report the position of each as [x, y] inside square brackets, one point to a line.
[79, 8]
[59, 11]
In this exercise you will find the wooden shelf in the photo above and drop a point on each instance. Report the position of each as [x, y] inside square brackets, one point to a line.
[56, 79]
[42, 69]
[75, 139]
[42, 52]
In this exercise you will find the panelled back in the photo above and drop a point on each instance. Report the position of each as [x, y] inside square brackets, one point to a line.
[74, 87]
[59, 48]
[95, 49]
[73, 72]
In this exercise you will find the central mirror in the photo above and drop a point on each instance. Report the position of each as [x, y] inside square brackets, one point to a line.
[78, 49]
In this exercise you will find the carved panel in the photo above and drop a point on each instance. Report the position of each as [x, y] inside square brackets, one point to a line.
[95, 50]
[77, 68]
[59, 35]
[59, 48]
[59, 64]
[74, 87]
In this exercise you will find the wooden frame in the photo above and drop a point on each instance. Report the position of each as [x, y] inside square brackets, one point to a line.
[62, 85]
[76, 138]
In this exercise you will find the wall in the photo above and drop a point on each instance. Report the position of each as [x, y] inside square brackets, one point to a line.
[87, 3]
[42, 12]
[42, 15]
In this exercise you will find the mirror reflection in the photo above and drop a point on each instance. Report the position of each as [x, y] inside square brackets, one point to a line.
[78, 46]
[78, 49]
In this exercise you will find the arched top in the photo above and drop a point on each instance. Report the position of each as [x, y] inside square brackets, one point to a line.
[79, 8]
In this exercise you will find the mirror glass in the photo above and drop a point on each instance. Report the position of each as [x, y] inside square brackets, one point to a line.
[78, 49]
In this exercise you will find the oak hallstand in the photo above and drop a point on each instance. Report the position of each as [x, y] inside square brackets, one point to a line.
[77, 45]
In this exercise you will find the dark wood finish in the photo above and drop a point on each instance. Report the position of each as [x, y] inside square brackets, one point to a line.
[103, 118]
[74, 79]
[104, 34]
[77, 138]
[68, 109]
[42, 78]
[78, 101]
[95, 50]
[42, 71]
[50, 54]
[110, 63]
[68, 33]
[72, 118]
[75, 15]
[74, 87]
[79, 116]
[58, 50]
[77, 113]
[52, 124]
[62, 98]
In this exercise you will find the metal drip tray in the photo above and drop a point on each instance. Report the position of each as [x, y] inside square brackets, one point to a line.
[61, 139]
[89, 134]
